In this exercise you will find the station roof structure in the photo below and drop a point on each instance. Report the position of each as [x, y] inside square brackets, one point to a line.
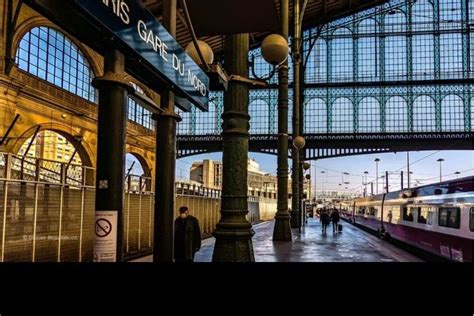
[211, 19]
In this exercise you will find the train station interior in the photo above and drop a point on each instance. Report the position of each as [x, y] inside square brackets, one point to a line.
[168, 131]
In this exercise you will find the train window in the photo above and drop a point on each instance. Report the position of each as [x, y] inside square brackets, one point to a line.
[449, 217]
[471, 220]
[392, 214]
[425, 215]
[372, 211]
[407, 214]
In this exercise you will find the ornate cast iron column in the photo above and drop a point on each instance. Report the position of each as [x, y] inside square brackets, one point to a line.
[233, 232]
[282, 230]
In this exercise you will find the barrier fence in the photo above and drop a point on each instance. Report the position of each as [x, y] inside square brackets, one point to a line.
[47, 210]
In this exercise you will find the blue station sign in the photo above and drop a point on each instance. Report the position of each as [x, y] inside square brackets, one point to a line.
[136, 27]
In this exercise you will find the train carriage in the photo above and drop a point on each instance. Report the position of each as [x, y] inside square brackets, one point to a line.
[437, 218]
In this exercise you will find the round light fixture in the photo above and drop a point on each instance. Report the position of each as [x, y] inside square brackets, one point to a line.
[275, 49]
[205, 49]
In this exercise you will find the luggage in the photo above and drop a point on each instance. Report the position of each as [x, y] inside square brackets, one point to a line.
[339, 228]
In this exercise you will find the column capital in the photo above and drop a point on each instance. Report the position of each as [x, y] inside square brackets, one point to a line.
[112, 79]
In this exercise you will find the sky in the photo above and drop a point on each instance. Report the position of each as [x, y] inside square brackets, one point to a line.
[423, 164]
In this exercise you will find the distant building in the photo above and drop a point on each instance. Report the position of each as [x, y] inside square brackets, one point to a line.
[209, 174]
[50, 145]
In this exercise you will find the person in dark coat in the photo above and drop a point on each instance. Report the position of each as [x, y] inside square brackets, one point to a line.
[187, 236]
[324, 218]
[335, 220]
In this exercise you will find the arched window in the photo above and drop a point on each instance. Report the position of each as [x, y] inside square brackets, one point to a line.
[472, 113]
[423, 44]
[206, 122]
[452, 114]
[369, 116]
[471, 35]
[396, 115]
[395, 46]
[138, 113]
[451, 43]
[342, 56]
[368, 51]
[342, 117]
[50, 55]
[315, 117]
[316, 67]
[259, 117]
[424, 114]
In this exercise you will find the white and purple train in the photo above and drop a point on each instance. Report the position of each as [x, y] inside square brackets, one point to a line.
[437, 218]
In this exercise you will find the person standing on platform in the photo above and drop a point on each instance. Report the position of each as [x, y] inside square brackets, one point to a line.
[335, 220]
[324, 218]
[187, 236]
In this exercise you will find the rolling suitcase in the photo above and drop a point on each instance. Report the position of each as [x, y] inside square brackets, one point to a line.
[339, 228]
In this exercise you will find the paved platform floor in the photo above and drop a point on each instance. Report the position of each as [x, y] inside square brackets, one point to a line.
[310, 245]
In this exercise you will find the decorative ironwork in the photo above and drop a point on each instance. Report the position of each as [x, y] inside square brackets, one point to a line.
[397, 68]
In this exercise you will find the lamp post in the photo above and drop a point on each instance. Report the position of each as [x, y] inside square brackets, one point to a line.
[279, 55]
[296, 152]
[377, 175]
[344, 173]
[365, 182]
[457, 173]
[325, 180]
[440, 160]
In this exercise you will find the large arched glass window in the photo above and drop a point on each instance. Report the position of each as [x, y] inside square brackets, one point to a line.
[472, 113]
[396, 115]
[316, 67]
[395, 46]
[368, 51]
[451, 42]
[423, 43]
[424, 114]
[342, 56]
[139, 114]
[206, 122]
[342, 116]
[50, 55]
[452, 114]
[369, 115]
[315, 116]
[259, 117]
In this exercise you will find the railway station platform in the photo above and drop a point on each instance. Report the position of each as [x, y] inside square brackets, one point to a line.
[310, 245]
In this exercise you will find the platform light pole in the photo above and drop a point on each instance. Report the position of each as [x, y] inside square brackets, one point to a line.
[440, 160]
[295, 153]
[325, 180]
[365, 182]
[377, 160]
[282, 228]
[408, 168]
[457, 173]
